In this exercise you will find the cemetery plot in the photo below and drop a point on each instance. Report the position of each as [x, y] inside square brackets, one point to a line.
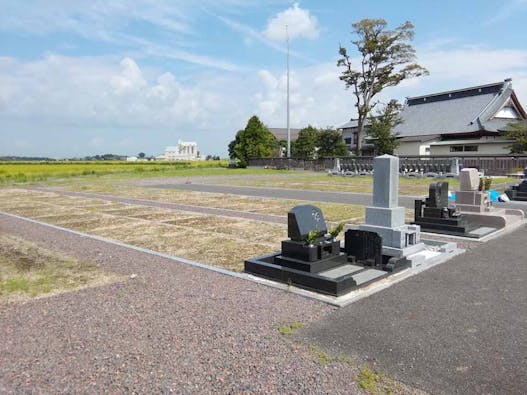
[323, 182]
[313, 258]
[220, 241]
[334, 211]
[28, 270]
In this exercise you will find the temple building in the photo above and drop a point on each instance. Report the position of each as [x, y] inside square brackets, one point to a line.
[458, 122]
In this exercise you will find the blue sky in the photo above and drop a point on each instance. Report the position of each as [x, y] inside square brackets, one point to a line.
[79, 78]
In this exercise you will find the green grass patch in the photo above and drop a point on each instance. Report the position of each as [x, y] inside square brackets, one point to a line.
[24, 172]
[288, 329]
[28, 271]
[367, 379]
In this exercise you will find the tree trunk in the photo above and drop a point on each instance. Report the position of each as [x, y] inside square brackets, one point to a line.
[358, 147]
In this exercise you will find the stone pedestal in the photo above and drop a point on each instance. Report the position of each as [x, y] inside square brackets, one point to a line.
[385, 217]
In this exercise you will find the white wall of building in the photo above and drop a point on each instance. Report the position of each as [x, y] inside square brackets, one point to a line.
[413, 148]
[485, 146]
[184, 150]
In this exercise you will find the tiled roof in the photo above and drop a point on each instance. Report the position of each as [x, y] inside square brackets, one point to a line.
[281, 133]
[459, 111]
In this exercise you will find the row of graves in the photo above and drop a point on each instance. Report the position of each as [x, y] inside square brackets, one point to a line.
[384, 245]
[423, 168]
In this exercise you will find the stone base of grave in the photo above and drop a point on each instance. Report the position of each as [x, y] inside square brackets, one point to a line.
[399, 242]
[495, 218]
[346, 275]
[335, 276]
[516, 195]
[322, 250]
[513, 204]
[453, 226]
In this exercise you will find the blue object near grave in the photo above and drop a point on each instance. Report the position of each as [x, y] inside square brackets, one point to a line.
[493, 195]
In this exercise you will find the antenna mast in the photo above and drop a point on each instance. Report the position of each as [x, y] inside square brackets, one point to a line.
[288, 128]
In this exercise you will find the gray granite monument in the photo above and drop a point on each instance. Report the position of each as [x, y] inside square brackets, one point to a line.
[385, 217]
[475, 205]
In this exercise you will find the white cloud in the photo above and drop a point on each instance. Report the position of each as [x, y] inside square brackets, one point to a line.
[252, 34]
[130, 79]
[63, 105]
[300, 24]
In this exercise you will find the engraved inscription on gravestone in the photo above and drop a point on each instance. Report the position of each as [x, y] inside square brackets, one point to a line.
[303, 219]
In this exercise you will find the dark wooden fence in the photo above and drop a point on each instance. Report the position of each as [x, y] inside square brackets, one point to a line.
[495, 165]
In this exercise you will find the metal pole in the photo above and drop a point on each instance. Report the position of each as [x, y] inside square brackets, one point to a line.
[288, 128]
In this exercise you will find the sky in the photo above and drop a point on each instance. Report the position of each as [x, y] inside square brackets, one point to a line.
[92, 77]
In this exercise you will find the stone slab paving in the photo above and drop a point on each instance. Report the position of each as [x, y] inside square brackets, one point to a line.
[364, 199]
[172, 328]
[460, 327]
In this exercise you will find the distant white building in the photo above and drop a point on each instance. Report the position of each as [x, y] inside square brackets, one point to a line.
[184, 150]
[131, 158]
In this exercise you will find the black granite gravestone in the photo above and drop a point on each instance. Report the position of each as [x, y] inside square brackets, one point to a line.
[313, 259]
[518, 192]
[363, 246]
[434, 215]
[301, 220]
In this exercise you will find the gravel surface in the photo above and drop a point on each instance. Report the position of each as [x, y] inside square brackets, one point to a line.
[172, 327]
[459, 327]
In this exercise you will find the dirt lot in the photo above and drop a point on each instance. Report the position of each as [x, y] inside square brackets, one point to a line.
[220, 241]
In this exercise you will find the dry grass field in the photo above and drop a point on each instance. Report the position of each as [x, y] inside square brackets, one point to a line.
[220, 241]
[362, 184]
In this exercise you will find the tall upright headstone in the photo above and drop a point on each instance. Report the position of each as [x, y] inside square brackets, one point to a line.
[385, 217]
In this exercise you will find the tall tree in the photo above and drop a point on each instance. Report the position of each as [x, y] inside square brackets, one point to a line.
[305, 145]
[517, 131]
[386, 59]
[330, 144]
[254, 141]
[381, 126]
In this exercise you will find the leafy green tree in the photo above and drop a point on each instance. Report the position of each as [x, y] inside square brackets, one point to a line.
[305, 145]
[141, 155]
[330, 144]
[380, 131]
[517, 131]
[254, 141]
[386, 59]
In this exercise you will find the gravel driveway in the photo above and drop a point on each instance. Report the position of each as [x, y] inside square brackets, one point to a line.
[172, 328]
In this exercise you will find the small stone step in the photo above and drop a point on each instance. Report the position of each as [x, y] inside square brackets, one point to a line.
[341, 271]
[368, 275]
